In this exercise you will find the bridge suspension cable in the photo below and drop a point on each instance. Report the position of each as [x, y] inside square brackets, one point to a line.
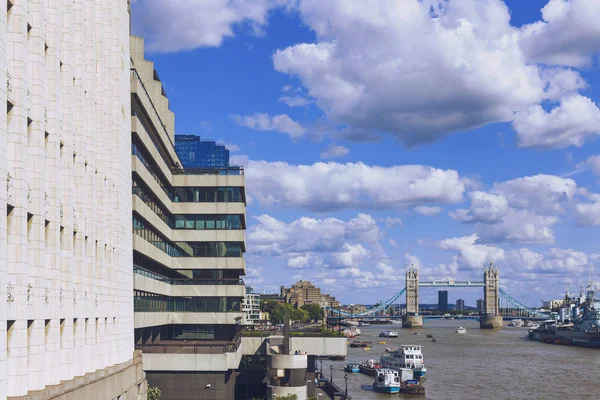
[371, 311]
[521, 306]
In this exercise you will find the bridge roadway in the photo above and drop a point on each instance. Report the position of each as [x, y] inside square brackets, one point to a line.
[451, 283]
[428, 317]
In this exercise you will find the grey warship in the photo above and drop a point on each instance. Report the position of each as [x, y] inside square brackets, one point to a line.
[583, 331]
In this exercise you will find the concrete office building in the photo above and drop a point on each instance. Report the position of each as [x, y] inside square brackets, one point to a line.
[442, 300]
[188, 247]
[66, 313]
[460, 305]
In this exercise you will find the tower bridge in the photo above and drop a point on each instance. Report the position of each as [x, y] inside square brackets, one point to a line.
[491, 317]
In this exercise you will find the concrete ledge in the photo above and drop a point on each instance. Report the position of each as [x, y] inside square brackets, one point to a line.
[288, 361]
[192, 362]
[126, 381]
[313, 346]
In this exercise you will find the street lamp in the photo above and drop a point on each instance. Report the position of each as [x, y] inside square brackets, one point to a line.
[346, 378]
[331, 371]
[321, 361]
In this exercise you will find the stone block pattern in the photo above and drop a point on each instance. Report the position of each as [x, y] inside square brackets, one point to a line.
[65, 191]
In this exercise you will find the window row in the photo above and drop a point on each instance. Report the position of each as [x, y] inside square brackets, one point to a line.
[199, 221]
[213, 279]
[207, 195]
[186, 249]
[151, 302]
[189, 194]
[203, 221]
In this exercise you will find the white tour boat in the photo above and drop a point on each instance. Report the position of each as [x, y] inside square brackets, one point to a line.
[461, 329]
[406, 356]
[389, 334]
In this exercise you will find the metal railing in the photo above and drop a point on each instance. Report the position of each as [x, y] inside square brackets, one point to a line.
[190, 348]
[184, 281]
[231, 170]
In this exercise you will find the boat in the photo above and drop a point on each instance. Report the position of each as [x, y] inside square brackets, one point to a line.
[406, 356]
[412, 386]
[584, 331]
[337, 358]
[369, 367]
[461, 329]
[389, 334]
[364, 323]
[387, 381]
[366, 344]
[355, 343]
[352, 367]
[517, 323]
[351, 332]
[390, 349]
[430, 336]
[395, 322]
[434, 340]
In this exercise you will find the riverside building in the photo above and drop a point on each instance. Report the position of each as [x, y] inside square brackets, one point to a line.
[188, 247]
[66, 307]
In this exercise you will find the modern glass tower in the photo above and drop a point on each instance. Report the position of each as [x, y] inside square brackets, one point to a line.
[196, 153]
[442, 300]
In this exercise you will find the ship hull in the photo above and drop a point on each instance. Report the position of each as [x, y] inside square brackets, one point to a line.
[568, 338]
[387, 389]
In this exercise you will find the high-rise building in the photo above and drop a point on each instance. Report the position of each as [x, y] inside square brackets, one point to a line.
[66, 319]
[442, 300]
[460, 305]
[196, 153]
[188, 248]
[304, 292]
[481, 305]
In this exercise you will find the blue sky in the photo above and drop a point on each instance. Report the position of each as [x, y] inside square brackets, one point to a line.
[375, 135]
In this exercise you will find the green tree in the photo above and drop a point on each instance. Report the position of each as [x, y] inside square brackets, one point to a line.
[153, 393]
[315, 312]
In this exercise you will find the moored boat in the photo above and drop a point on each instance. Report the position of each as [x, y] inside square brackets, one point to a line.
[352, 367]
[406, 356]
[387, 381]
[355, 343]
[369, 367]
[412, 386]
[389, 334]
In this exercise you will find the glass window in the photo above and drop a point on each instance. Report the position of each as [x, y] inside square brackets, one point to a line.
[210, 223]
[200, 223]
[189, 222]
[179, 221]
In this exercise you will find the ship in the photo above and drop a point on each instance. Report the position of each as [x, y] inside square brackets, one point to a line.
[582, 331]
[387, 381]
[406, 356]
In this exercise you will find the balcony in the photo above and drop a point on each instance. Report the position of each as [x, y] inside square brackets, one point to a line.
[191, 356]
[231, 170]
[191, 347]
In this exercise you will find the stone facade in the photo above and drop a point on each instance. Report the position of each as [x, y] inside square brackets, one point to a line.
[412, 291]
[65, 192]
[304, 292]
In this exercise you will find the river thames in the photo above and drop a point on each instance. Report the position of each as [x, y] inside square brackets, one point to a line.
[480, 364]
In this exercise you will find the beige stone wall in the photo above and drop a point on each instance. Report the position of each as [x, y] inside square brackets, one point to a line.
[66, 248]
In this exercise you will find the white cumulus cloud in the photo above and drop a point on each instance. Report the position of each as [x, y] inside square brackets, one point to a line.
[171, 26]
[576, 119]
[334, 186]
[334, 151]
[264, 122]
[428, 211]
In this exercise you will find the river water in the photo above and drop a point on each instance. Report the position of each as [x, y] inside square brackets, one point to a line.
[480, 364]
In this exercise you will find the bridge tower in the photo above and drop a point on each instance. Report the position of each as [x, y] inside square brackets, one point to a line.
[412, 319]
[491, 318]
